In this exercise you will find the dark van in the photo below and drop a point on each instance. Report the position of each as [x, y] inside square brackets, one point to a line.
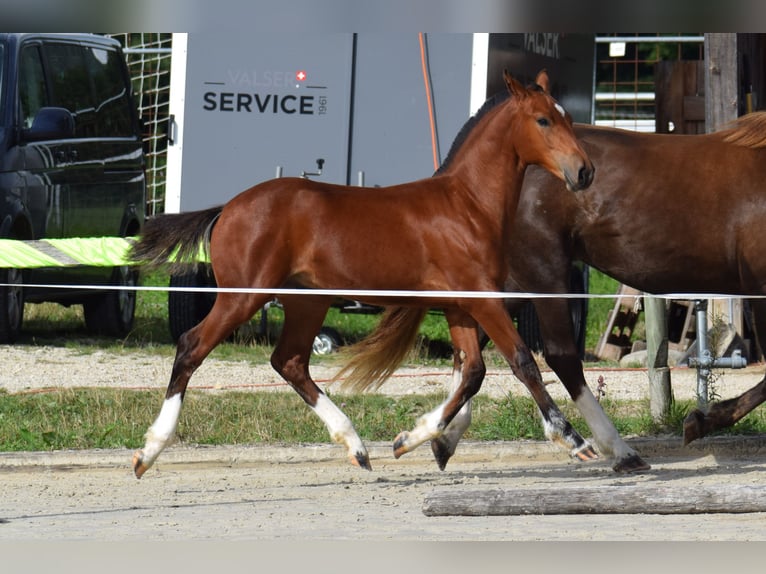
[71, 165]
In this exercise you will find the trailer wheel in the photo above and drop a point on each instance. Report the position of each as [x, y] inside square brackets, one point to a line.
[327, 341]
[186, 309]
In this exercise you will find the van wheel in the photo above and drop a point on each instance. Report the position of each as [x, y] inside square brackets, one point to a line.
[112, 313]
[11, 305]
[186, 309]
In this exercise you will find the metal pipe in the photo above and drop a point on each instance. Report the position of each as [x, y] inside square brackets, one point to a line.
[648, 39]
[704, 360]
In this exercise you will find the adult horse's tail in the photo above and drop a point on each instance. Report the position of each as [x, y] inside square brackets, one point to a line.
[177, 240]
[376, 357]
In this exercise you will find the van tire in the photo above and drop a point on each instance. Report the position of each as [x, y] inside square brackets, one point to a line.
[112, 313]
[11, 305]
[187, 309]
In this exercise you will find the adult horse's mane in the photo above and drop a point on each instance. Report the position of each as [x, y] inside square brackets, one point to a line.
[488, 105]
[747, 131]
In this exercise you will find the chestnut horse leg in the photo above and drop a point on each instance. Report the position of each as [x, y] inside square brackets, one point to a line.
[561, 355]
[303, 319]
[496, 322]
[229, 312]
[463, 333]
[443, 446]
[725, 413]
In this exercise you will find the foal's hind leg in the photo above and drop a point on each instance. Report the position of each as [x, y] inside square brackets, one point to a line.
[469, 365]
[303, 319]
[229, 312]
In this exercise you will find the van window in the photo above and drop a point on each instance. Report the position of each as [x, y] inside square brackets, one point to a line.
[90, 83]
[110, 92]
[32, 92]
[71, 86]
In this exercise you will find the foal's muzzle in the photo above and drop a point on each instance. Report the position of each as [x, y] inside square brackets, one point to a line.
[584, 178]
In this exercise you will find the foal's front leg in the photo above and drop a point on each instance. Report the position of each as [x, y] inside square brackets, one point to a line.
[444, 446]
[499, 327]
[446, 424]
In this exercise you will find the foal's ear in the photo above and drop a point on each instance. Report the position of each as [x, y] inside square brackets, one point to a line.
[543, 81]
[515, 87]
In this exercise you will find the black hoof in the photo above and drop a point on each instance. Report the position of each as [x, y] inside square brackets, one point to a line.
[632, 463]
[362, 461]
[400, 446]
[442, 452]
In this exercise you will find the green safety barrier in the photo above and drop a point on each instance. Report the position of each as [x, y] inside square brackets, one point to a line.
[91, 251]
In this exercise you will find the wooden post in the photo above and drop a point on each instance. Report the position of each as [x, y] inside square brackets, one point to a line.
[660, 391]
[721, 105]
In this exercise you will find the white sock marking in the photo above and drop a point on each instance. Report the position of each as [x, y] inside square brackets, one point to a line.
[604, 433]
[339, 425]
[161, 433]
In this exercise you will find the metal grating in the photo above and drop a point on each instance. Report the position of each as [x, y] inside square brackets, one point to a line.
[624, 95]
[148, 57]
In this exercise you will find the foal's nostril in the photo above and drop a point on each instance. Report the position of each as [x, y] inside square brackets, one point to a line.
[585, 176]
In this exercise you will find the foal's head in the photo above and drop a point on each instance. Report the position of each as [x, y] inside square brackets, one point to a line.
[543, 134]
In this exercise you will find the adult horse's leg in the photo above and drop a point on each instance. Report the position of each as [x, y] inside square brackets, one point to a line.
[725, 413]
[469, 367]
[303, 319]
[496, 322]
[561, 355]
[229, 312]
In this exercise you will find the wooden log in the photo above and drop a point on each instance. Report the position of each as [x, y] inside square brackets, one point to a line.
[654, 499]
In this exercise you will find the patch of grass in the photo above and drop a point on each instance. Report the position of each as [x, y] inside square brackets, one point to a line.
[115, 418]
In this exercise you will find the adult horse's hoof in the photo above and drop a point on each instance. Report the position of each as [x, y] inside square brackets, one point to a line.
[694, 426]
[632, 463]
[400, 444]
[586, 453]
[362, 460]
[139, 467]
[443, 451]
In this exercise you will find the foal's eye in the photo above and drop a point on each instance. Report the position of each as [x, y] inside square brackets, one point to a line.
[543, 122]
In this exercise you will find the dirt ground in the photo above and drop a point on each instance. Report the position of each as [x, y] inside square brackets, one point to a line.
[311, 493]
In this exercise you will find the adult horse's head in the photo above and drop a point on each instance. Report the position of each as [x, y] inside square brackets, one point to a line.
[545, 136]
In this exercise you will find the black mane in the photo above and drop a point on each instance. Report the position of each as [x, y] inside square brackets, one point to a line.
[491, 103]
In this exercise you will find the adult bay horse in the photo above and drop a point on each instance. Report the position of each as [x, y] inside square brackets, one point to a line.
[666, 214]
[445, 233]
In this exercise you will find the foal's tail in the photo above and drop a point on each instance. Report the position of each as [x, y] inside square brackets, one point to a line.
[375, 358]
[177, 240]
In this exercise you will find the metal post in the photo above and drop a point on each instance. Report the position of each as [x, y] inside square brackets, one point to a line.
[704, 361]
[703, 354]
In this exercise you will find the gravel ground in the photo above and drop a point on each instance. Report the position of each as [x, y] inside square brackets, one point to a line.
[310, 492]
[27, 368]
